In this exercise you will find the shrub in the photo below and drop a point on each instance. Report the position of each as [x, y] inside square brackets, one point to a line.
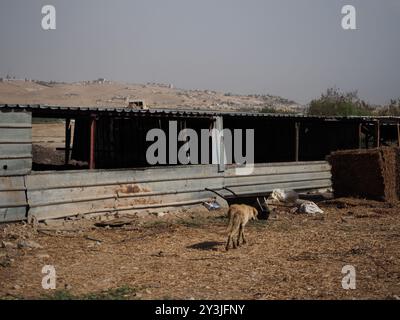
[393, 109]
[337, 103]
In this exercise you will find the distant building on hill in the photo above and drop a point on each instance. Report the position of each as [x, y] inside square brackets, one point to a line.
[137, 104]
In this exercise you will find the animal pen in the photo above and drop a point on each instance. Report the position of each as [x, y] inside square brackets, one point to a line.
[113, 175]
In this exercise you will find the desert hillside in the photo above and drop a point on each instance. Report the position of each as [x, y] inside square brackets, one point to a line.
[107, 93]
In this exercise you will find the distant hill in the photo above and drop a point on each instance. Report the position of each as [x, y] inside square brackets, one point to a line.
[106, 93]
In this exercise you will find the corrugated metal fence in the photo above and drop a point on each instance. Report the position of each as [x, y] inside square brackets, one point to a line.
[15, 162]
[62, 194]
[269, 176]
[13, 204]
[15, 143]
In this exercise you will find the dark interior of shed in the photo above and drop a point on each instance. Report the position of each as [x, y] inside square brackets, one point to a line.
[121, 142]
[107, 142]
[286, 139]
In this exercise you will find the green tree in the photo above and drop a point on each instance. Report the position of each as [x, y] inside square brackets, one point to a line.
[337, 103]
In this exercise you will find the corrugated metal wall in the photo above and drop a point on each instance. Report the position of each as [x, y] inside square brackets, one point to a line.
[15, 143]
[62, 194]
[13, 204]
[290, 175]
[15, 162]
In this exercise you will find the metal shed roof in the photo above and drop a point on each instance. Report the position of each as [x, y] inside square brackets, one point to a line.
[64, 111]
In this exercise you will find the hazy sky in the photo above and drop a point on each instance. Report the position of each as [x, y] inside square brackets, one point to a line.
[292, 48]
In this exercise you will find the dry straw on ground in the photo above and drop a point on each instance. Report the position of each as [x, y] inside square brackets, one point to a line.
[182, 256]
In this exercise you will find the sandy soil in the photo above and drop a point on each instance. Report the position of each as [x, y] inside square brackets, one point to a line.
[48, 146]
[46, 138]
[182, 256]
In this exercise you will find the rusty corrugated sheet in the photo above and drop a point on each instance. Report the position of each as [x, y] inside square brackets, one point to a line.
[61, 194]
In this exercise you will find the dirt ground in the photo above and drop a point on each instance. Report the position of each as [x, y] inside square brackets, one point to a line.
[182, 256]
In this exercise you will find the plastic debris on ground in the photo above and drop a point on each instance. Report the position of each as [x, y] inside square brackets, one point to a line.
[289, 199]
[309, 207]
[212, 205]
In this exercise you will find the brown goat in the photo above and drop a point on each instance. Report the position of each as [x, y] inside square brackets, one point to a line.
[239, 215]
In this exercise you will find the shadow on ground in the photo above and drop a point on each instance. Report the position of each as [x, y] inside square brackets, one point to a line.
[206, 245]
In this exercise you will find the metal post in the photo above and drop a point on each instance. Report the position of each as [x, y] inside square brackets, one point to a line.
[92, 142]
[359, 136]
[67, 139]
[378, 134]
[218, 150]
[297, 141]
[398, 134]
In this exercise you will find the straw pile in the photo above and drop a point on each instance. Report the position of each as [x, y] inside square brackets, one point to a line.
[371, 174]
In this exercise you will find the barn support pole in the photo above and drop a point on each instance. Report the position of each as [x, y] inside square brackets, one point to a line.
[398, 134]
[297, 141]
[67, 139]
[377, 134]
[367, 135]
[218, 150]
[92, 164]
[359, 136]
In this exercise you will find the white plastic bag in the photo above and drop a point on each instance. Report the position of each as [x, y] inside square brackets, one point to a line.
[309, 207]
[281, 195]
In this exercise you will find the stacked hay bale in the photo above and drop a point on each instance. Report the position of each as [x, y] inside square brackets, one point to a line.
[370, 174]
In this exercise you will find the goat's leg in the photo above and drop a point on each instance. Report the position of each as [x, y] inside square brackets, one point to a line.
[231, 239]
[234, 230]
[243, 237]
[234, 242]
[239, 234]
[228, 242]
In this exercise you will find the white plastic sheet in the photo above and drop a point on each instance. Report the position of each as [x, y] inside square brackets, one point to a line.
[292, 198]
[309, 207]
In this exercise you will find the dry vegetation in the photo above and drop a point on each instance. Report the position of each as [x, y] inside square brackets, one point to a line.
[182, 256]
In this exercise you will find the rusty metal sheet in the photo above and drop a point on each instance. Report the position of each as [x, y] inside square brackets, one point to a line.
[60, 194]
